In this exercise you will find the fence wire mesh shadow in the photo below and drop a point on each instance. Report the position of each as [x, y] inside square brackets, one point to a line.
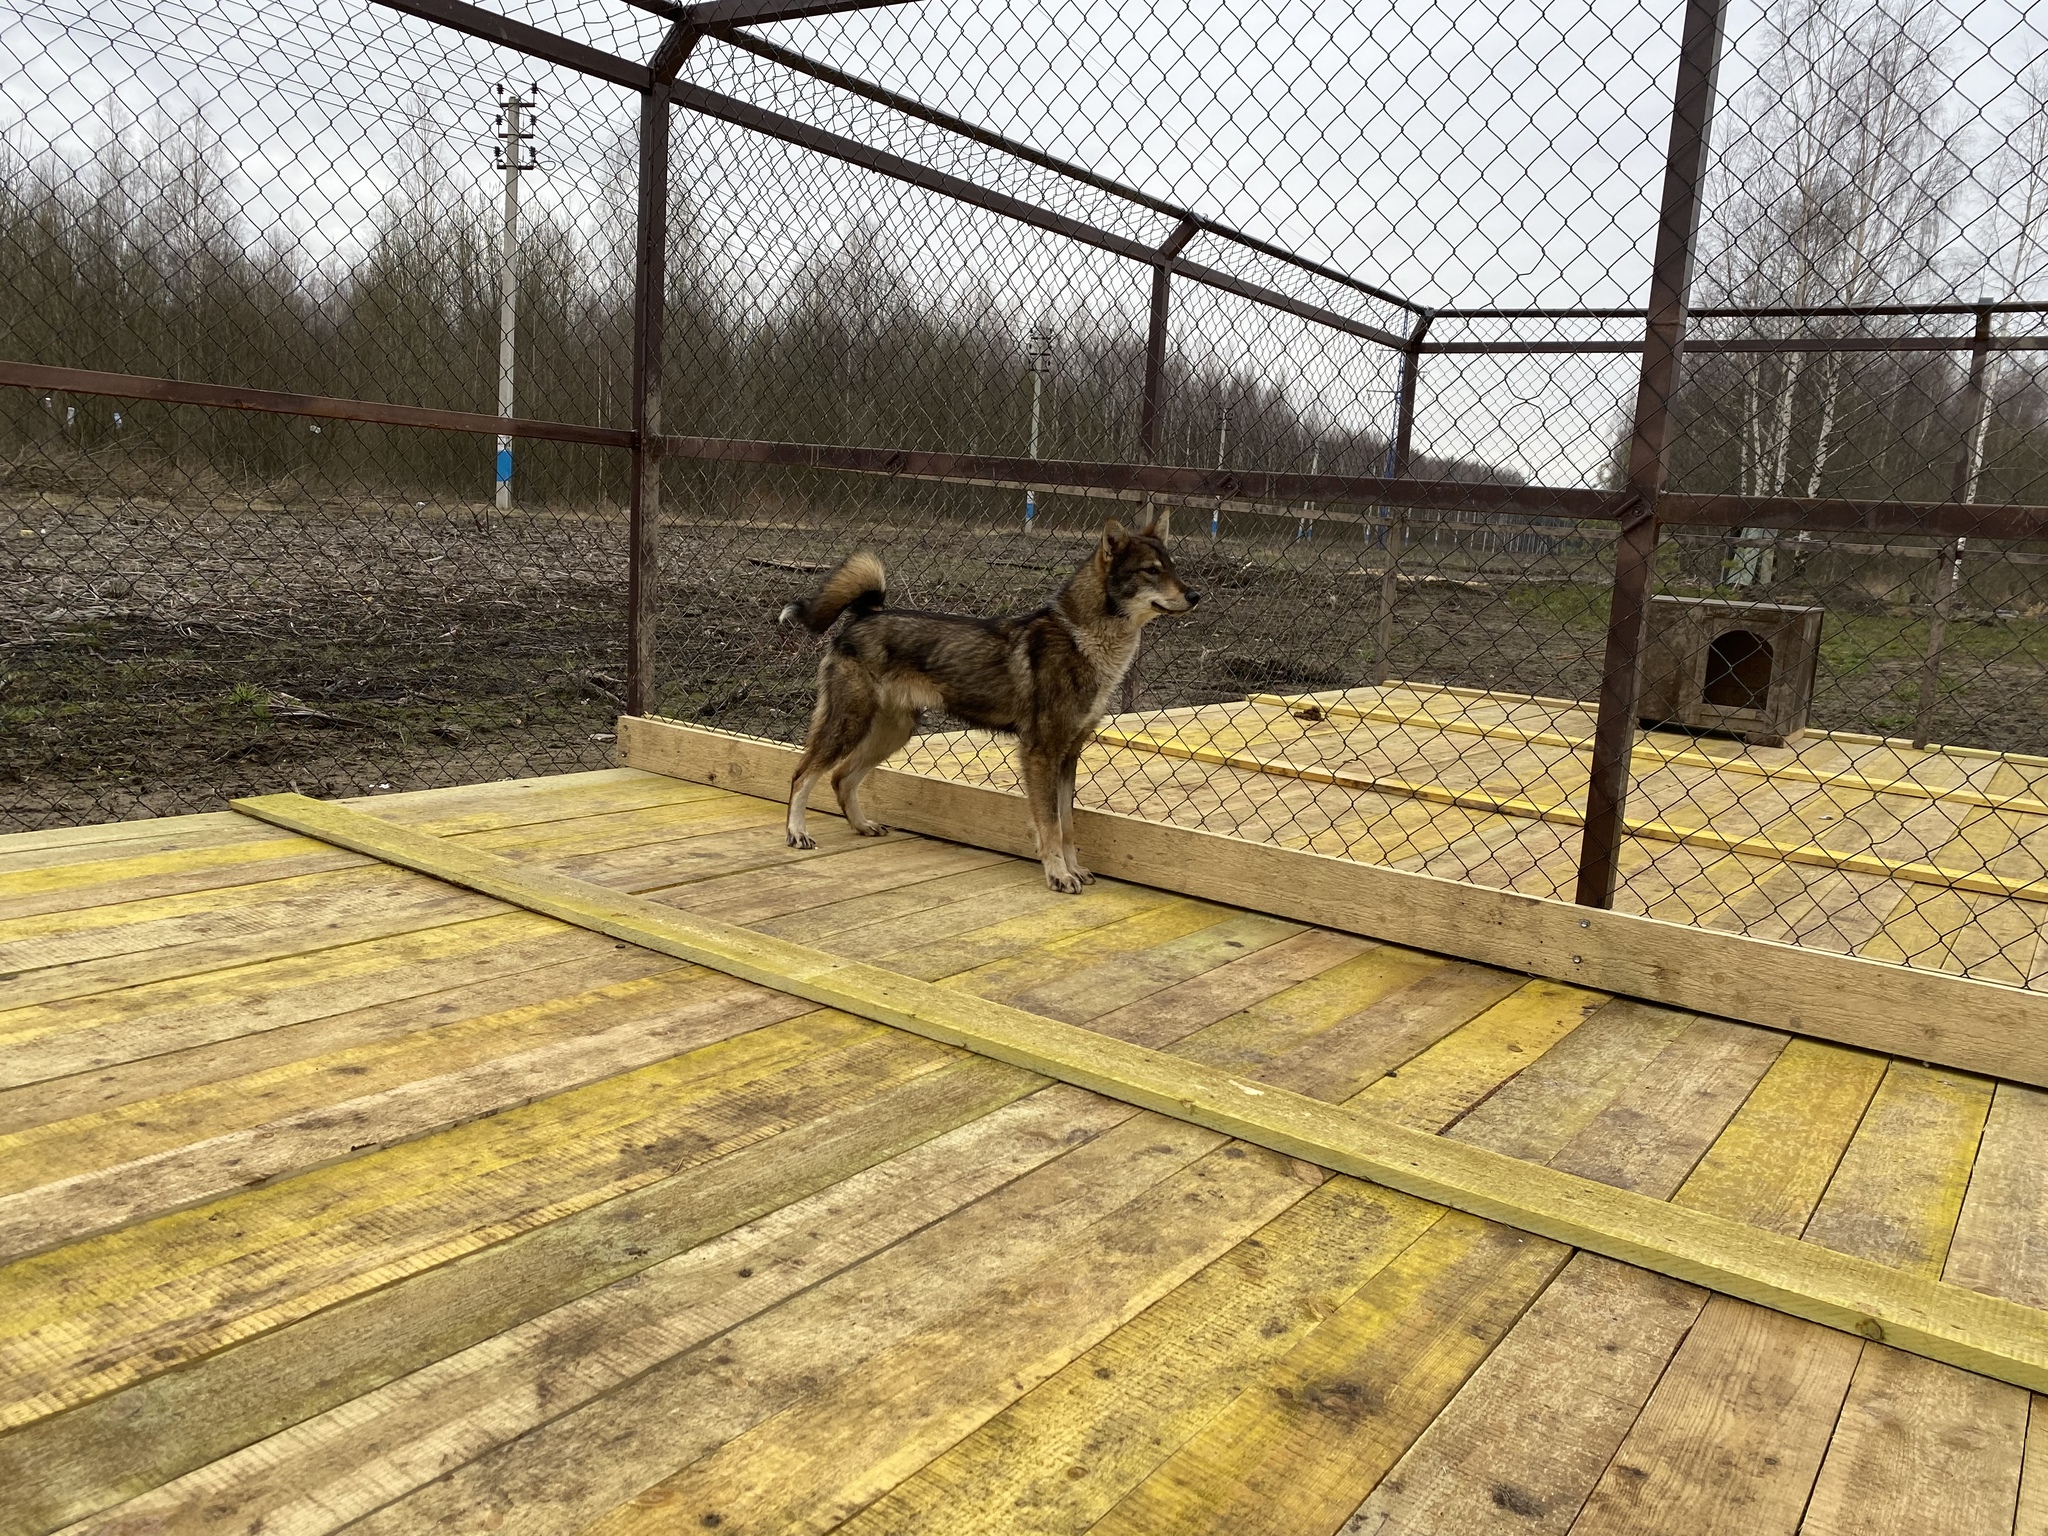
[1610, 445]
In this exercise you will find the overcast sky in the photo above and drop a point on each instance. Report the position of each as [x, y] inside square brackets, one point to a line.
[1463, 154]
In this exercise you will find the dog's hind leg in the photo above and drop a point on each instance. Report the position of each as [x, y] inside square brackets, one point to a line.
[842, 720]
[891, 728]
[1042, 791]
[1069, 769]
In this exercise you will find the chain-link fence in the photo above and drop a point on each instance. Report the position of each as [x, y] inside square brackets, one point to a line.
[1508, 379]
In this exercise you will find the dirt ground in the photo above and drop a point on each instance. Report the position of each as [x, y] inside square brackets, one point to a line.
[157, 658]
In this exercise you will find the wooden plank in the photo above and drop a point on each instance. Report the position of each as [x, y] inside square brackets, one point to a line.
[1926, 1317]
[93, 1033]
[1730, 1440]
[1658, 752]
[1899, 1190]
[1451, 1078]
[111, 1310]
[67, 1466]
[1920, 1447]
[1773, 1162]
[568, 960]
[1057, 1459]
[1926, 1016]
[178, 1114]
[1518, 1448]
[388, 1443]
[71, 887]
[2031, 1519]
[688, 1017]
[1022, 1252]
[1525, 1443]
[825, 1458]
[1298, 1450]
[2001, 1241]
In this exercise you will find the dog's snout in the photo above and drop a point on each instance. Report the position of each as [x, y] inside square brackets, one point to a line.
[1194, 597]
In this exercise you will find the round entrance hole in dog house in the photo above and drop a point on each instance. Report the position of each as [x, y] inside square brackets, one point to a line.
[1738, 670]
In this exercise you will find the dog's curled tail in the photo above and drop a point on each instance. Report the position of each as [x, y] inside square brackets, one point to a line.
[858, 587]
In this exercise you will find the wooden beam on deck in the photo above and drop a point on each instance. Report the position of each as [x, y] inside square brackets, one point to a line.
[1930, 1016]
[1965, 1328]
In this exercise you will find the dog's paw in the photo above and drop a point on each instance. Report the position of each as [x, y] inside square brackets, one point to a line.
[1086, 877]
[873, 829]
[1064, 883]
[802, 840]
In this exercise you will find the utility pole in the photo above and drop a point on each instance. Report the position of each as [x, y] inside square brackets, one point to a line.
[512, 158]
[1038, 358]
[1222, 437]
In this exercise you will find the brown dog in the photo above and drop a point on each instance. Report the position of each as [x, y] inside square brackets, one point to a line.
[1043, 676]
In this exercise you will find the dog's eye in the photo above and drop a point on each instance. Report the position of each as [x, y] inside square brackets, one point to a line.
[1151, 570]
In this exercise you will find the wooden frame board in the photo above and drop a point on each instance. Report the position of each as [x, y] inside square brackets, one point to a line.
[1953, 1021]
[1928, 1317]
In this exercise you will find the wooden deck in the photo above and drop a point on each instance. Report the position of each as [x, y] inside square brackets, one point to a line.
[333, 1197]
[1938, 858]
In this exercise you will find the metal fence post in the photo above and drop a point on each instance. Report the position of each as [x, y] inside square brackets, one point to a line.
[1399, 453]
[1635, 554]
[1948, 573]
[650, 303]
[1152, 405]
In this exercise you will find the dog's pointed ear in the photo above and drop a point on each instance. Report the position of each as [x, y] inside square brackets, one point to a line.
[1151, 528]
[1113, 538]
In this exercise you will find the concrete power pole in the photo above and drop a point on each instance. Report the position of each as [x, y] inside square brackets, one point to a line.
[1038, 356]
[512, 158]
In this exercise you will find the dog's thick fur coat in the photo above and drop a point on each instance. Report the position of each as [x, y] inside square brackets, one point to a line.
[1044, 676]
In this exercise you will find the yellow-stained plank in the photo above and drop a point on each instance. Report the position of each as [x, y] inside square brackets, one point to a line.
[884, 869]
[552, 799]
[1657, 1128]
[1104, 985]
[1518, 1448]
[180, 1115]
[1026, 954]
[1387, 1033]
[1730, 1440]
[389, 1442]
[1251, 1040]
[1899, 1189]
[678, 1014]
[1058, 1458]
[1538, 1112]
[1446, 1081]
[566, 961]
[2001, 1241]
[1178, 1011]
[123, 877]
[111, 1310]
[1298, 1448]
[824, 1459]
[816, 923]
[92, 1033]
[1949, 1323]
[1143, 1187]
[317, 913]
[64, 845]
[1772, 1163]
[62, 1468]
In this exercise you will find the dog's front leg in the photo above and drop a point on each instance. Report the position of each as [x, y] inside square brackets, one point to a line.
[1041, 788]
[1070, 764]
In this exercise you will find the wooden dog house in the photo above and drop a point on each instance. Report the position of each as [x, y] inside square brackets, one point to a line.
[1743, 668]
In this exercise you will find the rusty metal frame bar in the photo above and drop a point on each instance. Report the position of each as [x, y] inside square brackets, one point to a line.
[852, 152]
[535, 41]
[1752, 344]
[1635, 553]
[135, 386]
[911, 107]
[1676, 508]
